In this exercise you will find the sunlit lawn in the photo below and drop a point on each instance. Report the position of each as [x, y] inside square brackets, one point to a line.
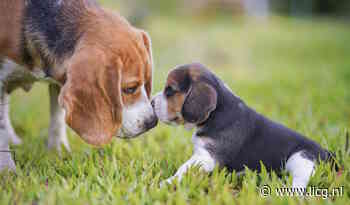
[293, 71]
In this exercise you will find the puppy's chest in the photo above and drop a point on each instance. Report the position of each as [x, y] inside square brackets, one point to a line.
[203, 146]
[223, 152]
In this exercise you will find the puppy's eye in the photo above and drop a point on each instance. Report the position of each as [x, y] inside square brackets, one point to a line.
[130, 90]
[169, 91]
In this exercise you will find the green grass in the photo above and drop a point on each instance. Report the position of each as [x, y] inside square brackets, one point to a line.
[294, 71]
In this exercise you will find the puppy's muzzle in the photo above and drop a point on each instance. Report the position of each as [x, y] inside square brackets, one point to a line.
[159, 105]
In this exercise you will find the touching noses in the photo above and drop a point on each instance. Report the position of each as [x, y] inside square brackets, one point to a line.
[153, 103]
[152, 121]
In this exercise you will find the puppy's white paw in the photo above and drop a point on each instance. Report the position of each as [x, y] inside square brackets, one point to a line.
[168, 181]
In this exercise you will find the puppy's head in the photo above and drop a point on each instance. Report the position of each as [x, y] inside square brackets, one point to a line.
[189, 96]
[109, 81]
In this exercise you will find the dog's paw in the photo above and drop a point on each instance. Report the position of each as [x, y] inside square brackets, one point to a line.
[55, 142]
[11, 135]
[14, 139]
[6, 161]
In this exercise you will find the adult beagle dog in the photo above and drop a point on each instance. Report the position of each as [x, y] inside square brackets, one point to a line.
[229, 133]
[99, 68]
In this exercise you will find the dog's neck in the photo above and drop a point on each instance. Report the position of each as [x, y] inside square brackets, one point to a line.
[49, 41]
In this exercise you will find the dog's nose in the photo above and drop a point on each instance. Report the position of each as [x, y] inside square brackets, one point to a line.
[153, 103]
[151, 123]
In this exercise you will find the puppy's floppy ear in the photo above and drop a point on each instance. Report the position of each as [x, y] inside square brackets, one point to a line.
[148, 45]
[91, 97]
[201, 100]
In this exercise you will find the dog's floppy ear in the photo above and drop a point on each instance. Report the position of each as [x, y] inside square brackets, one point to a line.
[200, 101]
[91, 97]
[148, 45]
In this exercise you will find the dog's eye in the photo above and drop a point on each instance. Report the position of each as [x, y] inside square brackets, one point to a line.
[169, 91]
[130, 90]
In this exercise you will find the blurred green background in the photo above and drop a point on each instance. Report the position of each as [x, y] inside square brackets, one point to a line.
[284, 43]
[290, 60]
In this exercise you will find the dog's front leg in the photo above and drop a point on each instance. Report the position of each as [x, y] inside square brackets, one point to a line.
[57, 130]
[201, 158]
[5, 118]
[6, 161]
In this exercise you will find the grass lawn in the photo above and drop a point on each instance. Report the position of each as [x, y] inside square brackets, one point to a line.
[294, 71]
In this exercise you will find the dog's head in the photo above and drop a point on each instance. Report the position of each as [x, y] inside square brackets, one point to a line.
[108, 81]
[189, 96]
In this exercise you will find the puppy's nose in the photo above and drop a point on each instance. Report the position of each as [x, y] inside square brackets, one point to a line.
[151, 123]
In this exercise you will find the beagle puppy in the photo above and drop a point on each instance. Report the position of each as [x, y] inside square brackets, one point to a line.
[228, 132]
[99, 68]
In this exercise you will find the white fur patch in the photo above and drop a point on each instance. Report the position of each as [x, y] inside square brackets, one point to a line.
[5, 123]
[206, 160]
[201, 157]
[161, 107]
[13, 76]
[300, 168]
[6, 161]
[161, 110]
[134, 116]
[57, 130]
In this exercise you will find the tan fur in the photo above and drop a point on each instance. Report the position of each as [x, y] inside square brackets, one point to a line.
[175, 102]
[111, 55]
[193, 99]
[11, 12]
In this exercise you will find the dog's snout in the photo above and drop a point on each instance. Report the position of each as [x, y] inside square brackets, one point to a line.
[151, 123]
[153, 103]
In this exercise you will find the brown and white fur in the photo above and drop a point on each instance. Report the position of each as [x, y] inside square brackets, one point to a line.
[99, 70]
